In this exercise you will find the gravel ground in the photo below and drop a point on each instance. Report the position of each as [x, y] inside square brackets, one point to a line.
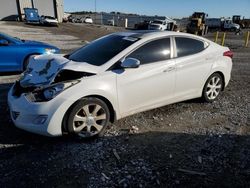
[189, 144]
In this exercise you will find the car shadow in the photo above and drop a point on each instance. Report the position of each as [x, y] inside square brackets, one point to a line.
[10, 73]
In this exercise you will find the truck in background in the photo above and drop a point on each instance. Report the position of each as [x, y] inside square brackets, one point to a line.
[221, 24]
[166, 24]
[244, 23]
[31, 16]
[197, 23]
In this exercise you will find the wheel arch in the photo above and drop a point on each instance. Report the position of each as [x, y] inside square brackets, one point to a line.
[27, 57]
[223, 78]
[112, 111]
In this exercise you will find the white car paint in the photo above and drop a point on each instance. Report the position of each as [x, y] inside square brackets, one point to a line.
[129, 91]
[161, 25]
[88, 20]
[48, 20]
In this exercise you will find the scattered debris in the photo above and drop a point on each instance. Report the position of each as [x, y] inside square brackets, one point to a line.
[122, 181]
[116, 154]
[200, 159]
[106, 177]
[134, 129]
[192, 172]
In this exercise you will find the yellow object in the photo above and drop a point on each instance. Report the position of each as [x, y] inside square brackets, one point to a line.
[216, 37]
[223, 39]
[247, 39]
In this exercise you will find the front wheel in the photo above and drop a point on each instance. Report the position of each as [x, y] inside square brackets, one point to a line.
[212, 88]
[89, 117]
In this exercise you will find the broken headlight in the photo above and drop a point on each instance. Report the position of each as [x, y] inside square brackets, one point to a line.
[48, 93]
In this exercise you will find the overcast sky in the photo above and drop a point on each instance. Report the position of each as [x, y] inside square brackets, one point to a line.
[174, 8]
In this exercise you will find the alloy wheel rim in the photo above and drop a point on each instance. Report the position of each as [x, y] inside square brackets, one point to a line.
[89, 120]
[213, 88]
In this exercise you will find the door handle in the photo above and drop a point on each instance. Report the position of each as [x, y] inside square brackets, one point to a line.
[169, 69]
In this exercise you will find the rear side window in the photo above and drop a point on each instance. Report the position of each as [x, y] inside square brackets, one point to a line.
[188, 46]
[158, 50]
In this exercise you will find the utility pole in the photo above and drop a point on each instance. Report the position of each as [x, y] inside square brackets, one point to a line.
[95, 11]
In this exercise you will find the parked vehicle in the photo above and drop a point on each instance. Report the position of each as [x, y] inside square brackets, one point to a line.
[77, 20]
[66, 17]
[111, 22]
[228, 24]
[116, 76]
[197, 24]
[244, 23]
[221, 24]
[15, 53]
[143, 25]
[163, 25]
[31, 15]
[48, 20]
[214, 23]
[88, 20]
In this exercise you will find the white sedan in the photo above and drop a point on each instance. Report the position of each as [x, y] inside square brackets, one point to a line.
[48, 20]
[116, 76]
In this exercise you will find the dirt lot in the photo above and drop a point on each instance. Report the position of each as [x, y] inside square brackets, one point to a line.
[189, 144]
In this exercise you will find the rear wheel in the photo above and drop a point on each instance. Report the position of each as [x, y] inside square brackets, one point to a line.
[89, 117]
[212, 88]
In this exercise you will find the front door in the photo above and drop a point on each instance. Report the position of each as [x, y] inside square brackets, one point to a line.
[152, 83]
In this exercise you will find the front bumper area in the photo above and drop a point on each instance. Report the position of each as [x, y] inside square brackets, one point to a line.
[44, 118]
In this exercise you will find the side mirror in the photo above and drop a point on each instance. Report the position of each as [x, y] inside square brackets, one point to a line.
[130, 63]
[4, 42]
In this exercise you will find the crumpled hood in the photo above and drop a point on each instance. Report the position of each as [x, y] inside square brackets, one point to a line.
[43, 69]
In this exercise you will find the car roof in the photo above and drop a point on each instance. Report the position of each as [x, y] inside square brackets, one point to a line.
[143, 34]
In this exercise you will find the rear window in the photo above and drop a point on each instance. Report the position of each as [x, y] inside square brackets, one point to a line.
[188, 46]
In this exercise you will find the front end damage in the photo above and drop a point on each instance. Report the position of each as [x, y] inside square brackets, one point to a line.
[48, 76]
[30, 99]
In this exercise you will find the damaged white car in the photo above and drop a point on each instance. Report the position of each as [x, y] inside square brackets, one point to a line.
[115, 76]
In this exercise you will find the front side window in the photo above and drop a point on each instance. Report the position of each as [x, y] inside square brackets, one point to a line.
[158, 50]
[188, 46]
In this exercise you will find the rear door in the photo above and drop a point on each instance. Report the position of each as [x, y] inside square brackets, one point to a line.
[193, 64]
[152, 83]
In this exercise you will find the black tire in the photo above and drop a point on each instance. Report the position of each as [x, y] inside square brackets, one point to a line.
[89, 124]
[211, 91]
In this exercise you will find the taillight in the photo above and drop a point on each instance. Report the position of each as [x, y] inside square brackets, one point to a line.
[228, 54]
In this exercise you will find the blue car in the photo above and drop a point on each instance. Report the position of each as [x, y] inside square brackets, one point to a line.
[15, 53]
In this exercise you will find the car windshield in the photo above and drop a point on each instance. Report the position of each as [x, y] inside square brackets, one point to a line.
[102, 50]
[157, 22]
